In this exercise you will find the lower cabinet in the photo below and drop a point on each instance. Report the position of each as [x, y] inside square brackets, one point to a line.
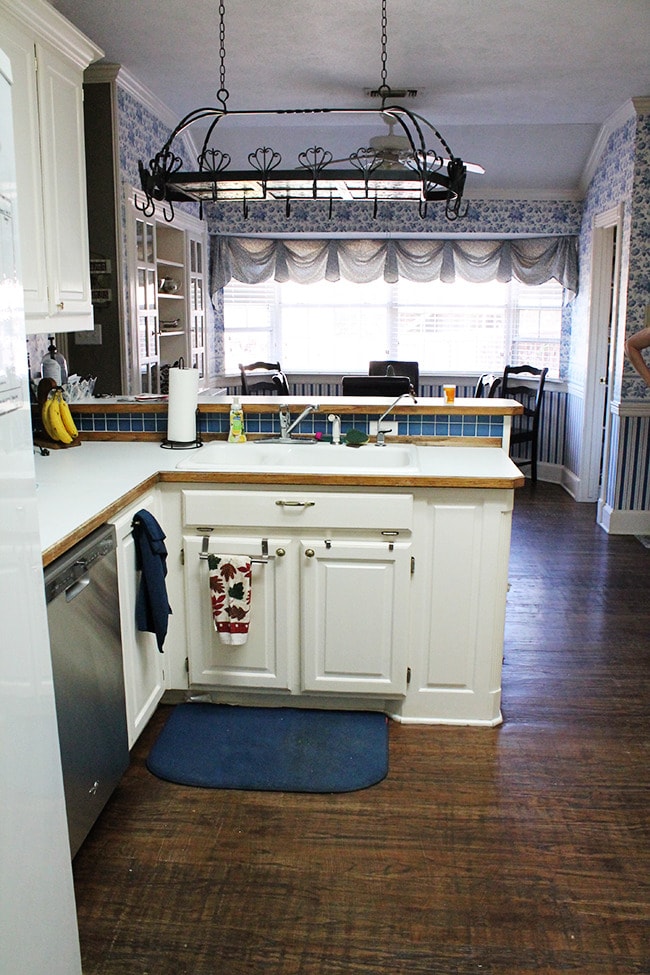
[330, 607]
[264, 661]
[354, 615]
[384, 599]
[144, 674]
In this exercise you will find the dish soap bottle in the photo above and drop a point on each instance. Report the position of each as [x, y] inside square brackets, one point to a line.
[53, 365]
[236, 434]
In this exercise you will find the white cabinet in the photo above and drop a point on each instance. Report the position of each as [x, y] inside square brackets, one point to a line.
[359, 598]
[167, 270]
[48, 57]
[264, 661]
[144, 673]
[330, 590]
[459, 600]
[354, 615]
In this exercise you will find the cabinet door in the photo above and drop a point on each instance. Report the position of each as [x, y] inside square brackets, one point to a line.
[18, 44]
[196, 301]
[144, 676]
[146, 307]
[265, 659]
[60, 101]
[354, 603]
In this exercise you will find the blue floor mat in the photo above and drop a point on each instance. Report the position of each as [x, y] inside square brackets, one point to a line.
[271, 749]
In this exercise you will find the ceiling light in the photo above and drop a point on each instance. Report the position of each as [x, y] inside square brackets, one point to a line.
[394, 166]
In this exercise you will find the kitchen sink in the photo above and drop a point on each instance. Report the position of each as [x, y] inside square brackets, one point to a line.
[302, 457]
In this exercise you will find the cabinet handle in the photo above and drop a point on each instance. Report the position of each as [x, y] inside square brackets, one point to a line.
[295, 504]
[280, 552]
[309, 552]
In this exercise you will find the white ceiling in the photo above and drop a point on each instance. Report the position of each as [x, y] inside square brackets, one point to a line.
[520, 86]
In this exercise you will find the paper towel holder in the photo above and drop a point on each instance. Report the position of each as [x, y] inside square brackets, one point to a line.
[185, 444]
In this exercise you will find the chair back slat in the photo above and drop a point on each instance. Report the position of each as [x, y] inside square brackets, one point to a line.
[262, 378]
[530, 392]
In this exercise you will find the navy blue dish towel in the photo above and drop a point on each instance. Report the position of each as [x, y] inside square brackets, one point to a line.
[152, 608]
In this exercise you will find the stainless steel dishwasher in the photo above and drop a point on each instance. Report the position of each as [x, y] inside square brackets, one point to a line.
[84, 623]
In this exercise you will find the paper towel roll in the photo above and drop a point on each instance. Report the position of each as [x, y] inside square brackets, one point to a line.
[183, 399]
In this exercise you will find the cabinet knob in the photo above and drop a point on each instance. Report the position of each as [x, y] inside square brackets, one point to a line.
[60, 306]
[309, 552]
[280, 552]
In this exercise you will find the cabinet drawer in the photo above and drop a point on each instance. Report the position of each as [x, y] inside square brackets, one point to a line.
[293, 508]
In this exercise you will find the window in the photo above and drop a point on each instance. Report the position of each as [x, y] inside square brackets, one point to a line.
[338, 327]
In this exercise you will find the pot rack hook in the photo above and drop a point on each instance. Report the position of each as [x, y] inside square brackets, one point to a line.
[148, 208]
[170, 218]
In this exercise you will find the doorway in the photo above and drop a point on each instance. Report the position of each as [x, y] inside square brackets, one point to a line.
[603, 331]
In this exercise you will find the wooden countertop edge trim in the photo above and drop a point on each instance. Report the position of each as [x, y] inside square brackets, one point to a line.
[468, 408]
[345, 480]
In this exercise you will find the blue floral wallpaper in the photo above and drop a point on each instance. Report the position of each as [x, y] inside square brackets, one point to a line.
[638, 267]
[488, 217]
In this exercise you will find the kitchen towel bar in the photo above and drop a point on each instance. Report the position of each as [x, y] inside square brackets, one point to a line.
[203, 554]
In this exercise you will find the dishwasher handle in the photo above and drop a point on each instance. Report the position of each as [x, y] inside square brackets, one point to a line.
[76, 588]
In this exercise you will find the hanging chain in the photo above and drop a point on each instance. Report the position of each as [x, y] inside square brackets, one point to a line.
[384, 88]
[223, 93]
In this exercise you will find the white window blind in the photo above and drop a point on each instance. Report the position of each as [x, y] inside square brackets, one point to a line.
[340, 326]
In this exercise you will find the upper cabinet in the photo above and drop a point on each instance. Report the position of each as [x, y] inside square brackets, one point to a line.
[48, 56]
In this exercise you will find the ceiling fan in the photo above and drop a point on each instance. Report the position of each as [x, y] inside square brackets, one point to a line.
[396, 151]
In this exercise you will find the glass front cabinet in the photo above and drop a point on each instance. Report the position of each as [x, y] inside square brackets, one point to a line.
[167, 268]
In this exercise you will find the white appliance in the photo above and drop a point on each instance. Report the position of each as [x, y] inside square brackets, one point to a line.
[38, 925]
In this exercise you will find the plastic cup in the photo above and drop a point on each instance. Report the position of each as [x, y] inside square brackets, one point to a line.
[449, 393]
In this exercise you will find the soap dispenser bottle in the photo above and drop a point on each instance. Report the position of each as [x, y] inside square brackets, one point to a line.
[236, 434]
[53, 364]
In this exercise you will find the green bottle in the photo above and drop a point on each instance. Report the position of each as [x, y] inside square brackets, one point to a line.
[236, 434]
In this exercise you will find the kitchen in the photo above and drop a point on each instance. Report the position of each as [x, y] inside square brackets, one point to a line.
[626, 482]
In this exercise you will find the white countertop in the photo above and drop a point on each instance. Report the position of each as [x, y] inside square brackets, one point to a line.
[76, 485]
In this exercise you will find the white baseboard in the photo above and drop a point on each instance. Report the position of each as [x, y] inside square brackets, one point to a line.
[570, 482]
[553, 473]
[616, 522]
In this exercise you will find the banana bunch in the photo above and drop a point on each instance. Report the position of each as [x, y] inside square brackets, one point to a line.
[57, 419]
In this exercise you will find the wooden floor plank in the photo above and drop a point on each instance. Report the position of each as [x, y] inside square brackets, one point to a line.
[515, 850]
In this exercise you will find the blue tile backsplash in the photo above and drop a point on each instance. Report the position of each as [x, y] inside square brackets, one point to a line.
[439, 425]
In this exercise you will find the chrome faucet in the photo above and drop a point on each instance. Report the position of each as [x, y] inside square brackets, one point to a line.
[285, 421]
[380, 440]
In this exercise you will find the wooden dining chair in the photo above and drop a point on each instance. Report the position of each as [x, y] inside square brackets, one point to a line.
[260, 378]
[530, 393]
[397, 367]
[487, 386]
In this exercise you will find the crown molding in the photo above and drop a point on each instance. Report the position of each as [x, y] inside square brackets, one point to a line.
[53, 28]
[109, 73]
[632, 108]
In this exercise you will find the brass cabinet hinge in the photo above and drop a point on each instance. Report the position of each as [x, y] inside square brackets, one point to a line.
[182, 556]
[187, 665]
[412, 565]
[408, 676]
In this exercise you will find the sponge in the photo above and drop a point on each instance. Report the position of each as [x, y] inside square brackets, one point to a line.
[354, 438]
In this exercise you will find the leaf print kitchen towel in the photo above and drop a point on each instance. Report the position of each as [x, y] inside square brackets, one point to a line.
[230, 596]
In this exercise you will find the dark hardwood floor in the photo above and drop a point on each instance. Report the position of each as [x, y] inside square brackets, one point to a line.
[502, 851]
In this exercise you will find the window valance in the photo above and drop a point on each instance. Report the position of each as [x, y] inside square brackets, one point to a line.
[530, 260]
